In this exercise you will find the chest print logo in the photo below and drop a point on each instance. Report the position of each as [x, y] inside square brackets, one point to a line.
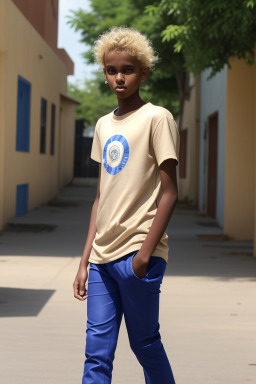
[115, 154]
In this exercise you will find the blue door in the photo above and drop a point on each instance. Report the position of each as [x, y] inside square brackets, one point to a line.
[22, 200]
[23, 115]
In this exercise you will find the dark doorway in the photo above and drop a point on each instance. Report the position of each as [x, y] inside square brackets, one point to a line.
[212, 164]
[183, 153]
[84, 166]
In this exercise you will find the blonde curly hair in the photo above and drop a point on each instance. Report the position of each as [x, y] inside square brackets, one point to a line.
[125, 39]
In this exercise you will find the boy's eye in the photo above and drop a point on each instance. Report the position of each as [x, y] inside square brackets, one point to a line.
[128, 70]
[110, 71]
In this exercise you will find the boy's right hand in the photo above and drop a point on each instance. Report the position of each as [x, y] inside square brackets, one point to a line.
[80, 291]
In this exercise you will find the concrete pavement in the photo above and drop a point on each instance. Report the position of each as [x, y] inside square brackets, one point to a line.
[207, 305]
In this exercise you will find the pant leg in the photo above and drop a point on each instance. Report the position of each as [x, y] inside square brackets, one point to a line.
[140, 300]
[104, 315]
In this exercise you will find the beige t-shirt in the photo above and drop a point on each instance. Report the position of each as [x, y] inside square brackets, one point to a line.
[131, 148]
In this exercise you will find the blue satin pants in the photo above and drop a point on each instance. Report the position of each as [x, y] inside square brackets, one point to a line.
[114, 290]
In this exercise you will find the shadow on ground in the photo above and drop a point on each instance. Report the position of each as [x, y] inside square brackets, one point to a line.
[15, 302]
[197, 246]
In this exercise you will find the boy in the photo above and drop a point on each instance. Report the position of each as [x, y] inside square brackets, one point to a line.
[136, 146]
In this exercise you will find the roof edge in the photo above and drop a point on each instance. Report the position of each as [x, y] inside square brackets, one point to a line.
[70, 98]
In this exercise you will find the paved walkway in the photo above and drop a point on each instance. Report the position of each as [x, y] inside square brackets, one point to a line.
[207, 311]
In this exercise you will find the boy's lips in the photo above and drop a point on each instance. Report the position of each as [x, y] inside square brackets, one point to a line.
[120, 88]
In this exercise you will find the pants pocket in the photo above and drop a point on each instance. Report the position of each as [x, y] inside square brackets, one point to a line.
[155, 269]
[131, 268]
[157, 266]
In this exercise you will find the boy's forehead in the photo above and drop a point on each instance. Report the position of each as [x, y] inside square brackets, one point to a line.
[120, 57]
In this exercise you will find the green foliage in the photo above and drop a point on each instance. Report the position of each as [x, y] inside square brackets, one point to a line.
[95, 102]
[189, 35]
[210, 33]
[161, 86]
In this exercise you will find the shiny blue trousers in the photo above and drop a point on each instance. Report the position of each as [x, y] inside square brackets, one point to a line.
[113, 290]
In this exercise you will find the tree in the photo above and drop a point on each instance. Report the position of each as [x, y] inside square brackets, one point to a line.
[161, 87]
[190, 36]
[210, 33]
[93, 105]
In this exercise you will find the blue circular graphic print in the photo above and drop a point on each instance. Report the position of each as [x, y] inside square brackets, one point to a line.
[115, 154]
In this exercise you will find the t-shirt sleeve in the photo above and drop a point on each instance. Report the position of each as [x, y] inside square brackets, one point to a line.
[166, 140]
[96, 153]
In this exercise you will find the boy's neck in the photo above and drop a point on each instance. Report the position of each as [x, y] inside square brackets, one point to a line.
[129, 104]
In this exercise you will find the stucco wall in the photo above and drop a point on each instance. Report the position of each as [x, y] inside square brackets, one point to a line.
[213, 99]
[30, 56]
[240, 151]
[43, 15]
[188, 186]
[2, 107]
[67, 142]
[2, 132]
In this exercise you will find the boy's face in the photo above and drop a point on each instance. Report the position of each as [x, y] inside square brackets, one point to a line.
[123, 73]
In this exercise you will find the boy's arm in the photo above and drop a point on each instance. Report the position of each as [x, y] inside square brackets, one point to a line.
[81, 277]
[164, 212]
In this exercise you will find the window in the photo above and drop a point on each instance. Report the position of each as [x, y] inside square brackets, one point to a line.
[22, 199]
[43, 125]
[23, 115]
[52, 129]
[183, 153]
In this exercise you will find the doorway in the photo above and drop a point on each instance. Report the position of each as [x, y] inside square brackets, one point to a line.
[212, 164]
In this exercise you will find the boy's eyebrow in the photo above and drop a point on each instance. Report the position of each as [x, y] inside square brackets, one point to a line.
[123, 66]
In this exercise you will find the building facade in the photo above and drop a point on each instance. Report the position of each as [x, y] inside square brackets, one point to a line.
[240, 147]
[226, 147]
[37, 117]
[188, 179]
[212, 145]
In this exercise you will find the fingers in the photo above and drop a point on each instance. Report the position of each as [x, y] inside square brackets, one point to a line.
[80, 291]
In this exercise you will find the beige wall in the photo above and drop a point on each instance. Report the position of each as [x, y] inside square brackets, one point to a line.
[67, 142]
[2, 25]
[2, 132]
[26, 53]
[2, 107]
[240, 152]
[188, 187]
[43, 15]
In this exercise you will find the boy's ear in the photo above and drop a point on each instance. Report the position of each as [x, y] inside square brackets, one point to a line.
[104, 73]
[144, 73]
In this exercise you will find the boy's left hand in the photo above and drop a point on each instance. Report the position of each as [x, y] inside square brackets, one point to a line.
[139, 266]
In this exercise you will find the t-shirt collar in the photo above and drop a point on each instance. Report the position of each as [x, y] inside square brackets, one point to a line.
[126, 115]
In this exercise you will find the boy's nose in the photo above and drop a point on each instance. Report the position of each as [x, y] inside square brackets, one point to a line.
[119, 77]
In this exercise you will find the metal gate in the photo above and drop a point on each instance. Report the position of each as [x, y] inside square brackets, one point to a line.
[84, 166]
